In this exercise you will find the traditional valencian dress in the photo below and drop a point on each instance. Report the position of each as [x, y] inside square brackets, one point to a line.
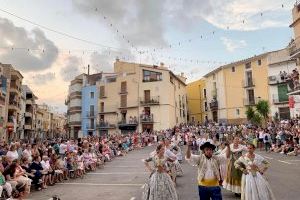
[160, 185]
[233, 178]
[254, 185]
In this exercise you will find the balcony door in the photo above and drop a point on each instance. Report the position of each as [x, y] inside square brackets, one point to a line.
[92, 110]
[251, 98]
[147, 95]
[249, 78]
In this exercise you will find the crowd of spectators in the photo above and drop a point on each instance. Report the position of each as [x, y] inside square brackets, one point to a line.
[38, 165]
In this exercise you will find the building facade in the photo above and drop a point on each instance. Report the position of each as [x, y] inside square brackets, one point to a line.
[13, 101]
[197, 104]
[138, 97]
[89, 109]
[232, 88]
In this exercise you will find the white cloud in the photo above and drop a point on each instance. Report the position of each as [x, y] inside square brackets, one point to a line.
[236, 14]
[232, 45]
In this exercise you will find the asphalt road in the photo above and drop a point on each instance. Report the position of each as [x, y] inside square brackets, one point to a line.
[123, 179]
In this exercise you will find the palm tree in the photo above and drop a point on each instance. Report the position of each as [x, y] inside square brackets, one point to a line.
[263, 108]
[250, 113]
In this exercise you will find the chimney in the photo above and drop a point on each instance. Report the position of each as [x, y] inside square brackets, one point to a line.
[88, 70]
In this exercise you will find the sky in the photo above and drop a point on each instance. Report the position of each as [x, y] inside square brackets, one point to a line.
[52, 41]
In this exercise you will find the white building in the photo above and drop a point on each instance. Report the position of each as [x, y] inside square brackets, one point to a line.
[280, 66]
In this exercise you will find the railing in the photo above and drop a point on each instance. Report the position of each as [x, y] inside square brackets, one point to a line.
[106, 125]
[126, 122]
[214, 93]
[90, 127]
[273, 80]
[90, 114]
[151, 101]
[146, 118]
[277, 100]
[251, 102]
[248, 83]
[214, 105]
[102, 95]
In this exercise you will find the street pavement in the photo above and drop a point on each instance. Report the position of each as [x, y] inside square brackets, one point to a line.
[124, 177]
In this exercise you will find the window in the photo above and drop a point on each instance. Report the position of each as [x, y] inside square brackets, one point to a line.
[92, 110]
[102, 91]
[259, 62]
[123, 101]
[214, 77]
[232, 69]
[248, 65]
[205, 106]
[178, 85]
[149, 76]
[123, 87]
[237, 111]
[102, 107]
[204, 93]
[92, 95]
[251, 99]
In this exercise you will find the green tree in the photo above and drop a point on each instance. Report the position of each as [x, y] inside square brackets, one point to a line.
[250, 112]
[263, 108]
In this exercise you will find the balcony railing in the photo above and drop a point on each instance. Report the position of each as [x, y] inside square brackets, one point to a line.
[277, 100]
[213, 105]
[106, 125]
[126, 122]
[102, 95]
[251, 102]
[90, 127]
[90, 114]
[248, 83]
[151, 101]
[273, 80]
[146, 118]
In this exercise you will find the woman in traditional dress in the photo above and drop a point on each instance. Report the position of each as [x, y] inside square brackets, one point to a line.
[222, 149]
[233, 176]
[254, 185]
[160, 185]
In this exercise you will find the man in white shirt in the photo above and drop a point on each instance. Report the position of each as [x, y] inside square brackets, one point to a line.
[208, 170]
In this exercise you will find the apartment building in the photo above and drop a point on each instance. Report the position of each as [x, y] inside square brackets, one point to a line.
[197, 104]
[13, 100]
[82, 105]
[233, 87]
[139, 97]
[29, 116]
[3, 103]
[90, 105]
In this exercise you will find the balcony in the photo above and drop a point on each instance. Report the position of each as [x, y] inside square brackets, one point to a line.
[151, 101]
[282, 100]
[213, 105]
[13, 105]
[90, 127]
[147, 118]
[294, 48]
[275, 80]
[105, 125]
[14, 88]
[102, 96]
[29, 101]
[123, 91]
[129, 125]
[248, 83]
[28, 127]
[90, 114]
[28, 114]
[126, 105]
[251, 102]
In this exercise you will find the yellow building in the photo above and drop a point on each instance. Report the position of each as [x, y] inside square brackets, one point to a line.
[233, 87]
[141, 97]
[197, 104]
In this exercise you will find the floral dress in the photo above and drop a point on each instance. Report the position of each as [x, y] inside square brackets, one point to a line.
[254, 185]
[233, 177]
[160, 185]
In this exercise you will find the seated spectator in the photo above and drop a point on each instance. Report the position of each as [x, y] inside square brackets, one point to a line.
[49, 172]
[5, 186]
[12, 153]
[38, 170]
[30, 173]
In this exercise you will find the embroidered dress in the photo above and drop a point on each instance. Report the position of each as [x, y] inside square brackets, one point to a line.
[254, 185]
[160, 185]
[233, 178]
